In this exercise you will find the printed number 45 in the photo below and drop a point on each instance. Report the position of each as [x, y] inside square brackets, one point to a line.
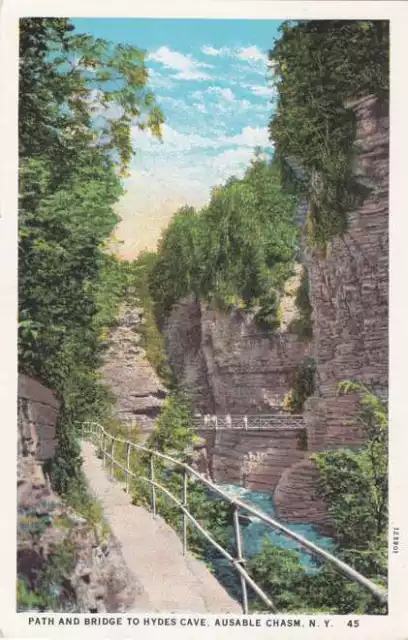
[353, 623]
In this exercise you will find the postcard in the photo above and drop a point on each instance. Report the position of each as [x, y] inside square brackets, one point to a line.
[204, 352]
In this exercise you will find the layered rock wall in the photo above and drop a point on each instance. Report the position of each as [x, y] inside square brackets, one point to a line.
[255, 460]
[38, 413]
[349, 295]
[227, 363]
[138, 392]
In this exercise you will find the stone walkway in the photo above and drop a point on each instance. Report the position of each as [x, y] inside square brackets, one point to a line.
[169, 582]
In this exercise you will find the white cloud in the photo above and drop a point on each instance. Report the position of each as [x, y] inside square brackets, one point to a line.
[245, 104]
[174, 140]
[192, 75]
[159, 81]
[200, 107]
[251, 54]
[187, 67]
[175, 102]
[252, 137]
[232, 160]
[212, 51]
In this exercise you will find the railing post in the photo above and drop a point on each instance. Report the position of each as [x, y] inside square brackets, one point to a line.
[153, 487]
[185, 484]
[240, 559]
[127, 465]
[112, 454]
[103, 451]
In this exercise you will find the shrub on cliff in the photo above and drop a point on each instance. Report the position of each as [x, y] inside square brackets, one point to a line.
[318, 65]
[172, 430]
[302, 325]
[354, 483]
[304, 385]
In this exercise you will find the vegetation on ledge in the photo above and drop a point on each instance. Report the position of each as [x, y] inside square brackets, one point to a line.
[304, 385]
[236, 252]
[318, 66]
[302, 325]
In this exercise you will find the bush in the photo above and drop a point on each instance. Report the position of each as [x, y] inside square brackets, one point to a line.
[302, 325]
[303, 387]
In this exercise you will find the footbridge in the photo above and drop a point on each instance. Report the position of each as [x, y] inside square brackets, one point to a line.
[248, 422]
[251, 450]
[128, 463]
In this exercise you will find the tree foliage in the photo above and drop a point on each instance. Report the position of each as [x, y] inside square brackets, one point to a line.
[319, 65]
[304, 385]
[173, 427]
[236, 251]
[355, 482]
[79, 99]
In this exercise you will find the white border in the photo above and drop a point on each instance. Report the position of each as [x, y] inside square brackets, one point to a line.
[395, 625]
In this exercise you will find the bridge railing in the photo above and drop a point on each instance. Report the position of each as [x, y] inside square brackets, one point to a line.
[248, 422]
[95, 433]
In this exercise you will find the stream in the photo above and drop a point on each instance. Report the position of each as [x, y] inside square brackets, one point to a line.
[256, 532]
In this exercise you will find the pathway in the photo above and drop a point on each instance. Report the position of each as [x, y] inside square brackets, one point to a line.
[171, 582]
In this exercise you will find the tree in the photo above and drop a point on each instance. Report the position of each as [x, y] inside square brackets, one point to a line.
[237, 250]
[77, 92]
[176, 272]
[79, 98]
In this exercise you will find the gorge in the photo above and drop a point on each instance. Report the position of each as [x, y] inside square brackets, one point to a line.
[228, 364]
[251, 342]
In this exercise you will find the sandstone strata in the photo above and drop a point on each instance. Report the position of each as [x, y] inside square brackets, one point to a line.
[255, 460]
[138, 391]
[227, 363]
[349, 295]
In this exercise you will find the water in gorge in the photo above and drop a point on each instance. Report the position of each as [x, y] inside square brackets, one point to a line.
[256, 532]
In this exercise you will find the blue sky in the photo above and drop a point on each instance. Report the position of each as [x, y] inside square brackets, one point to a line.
[210, 79]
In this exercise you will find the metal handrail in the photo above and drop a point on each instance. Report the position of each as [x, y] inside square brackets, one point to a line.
[379, 592]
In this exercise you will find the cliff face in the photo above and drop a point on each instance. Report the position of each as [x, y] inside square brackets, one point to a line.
[138, 391]
[36, 434]
[227, 363]
[349, 290]
[349, 295]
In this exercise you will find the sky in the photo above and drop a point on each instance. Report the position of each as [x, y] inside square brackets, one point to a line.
[211, 80]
